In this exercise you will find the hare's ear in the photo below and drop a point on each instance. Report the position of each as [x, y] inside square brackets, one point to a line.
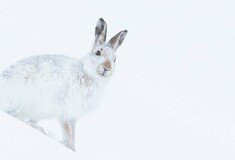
[117, 40]
[100, 32]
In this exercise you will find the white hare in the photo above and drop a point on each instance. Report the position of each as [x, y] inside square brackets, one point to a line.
[50, 86]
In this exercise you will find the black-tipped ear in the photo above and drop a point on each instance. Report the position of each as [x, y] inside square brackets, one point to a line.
[117, 40]
[100, 32]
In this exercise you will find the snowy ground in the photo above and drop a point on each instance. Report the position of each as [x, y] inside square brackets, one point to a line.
[20, 141]
[172, 96]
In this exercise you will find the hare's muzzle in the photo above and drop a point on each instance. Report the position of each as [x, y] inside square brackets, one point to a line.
[107, 65]
[105, 69]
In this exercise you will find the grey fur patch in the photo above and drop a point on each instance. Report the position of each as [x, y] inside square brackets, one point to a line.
[117, 40]
[100, 32]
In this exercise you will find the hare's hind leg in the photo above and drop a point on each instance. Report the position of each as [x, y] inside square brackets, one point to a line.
[32, 123]
[68, 131]
[36, 126]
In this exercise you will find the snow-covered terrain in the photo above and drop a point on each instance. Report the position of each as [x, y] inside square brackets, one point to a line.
[172, 96]
[20, 141]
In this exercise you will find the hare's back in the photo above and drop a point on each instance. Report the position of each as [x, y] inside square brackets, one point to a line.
[46, 83]
[42, 68]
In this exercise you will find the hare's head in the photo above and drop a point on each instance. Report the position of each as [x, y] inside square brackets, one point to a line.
[101, 60]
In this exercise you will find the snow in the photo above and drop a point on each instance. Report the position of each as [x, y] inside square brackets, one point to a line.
[172, 96]
[20, 141]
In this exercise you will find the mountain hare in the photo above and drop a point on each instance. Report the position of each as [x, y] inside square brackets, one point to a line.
[48, 86]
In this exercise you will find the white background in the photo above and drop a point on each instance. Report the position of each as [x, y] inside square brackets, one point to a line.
[173, 93]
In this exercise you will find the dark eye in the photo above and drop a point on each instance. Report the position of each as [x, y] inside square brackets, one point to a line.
[114, 60]
[98, 53]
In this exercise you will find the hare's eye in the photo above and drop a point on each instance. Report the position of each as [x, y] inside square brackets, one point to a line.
[98, 53]
[114, 60]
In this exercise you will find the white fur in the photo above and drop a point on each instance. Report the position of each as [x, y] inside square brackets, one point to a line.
[48, 86]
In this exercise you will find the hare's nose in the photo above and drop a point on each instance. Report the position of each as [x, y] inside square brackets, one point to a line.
[107, 65]
[106, 68]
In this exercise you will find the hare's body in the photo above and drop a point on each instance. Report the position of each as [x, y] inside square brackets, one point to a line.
[50, 86]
